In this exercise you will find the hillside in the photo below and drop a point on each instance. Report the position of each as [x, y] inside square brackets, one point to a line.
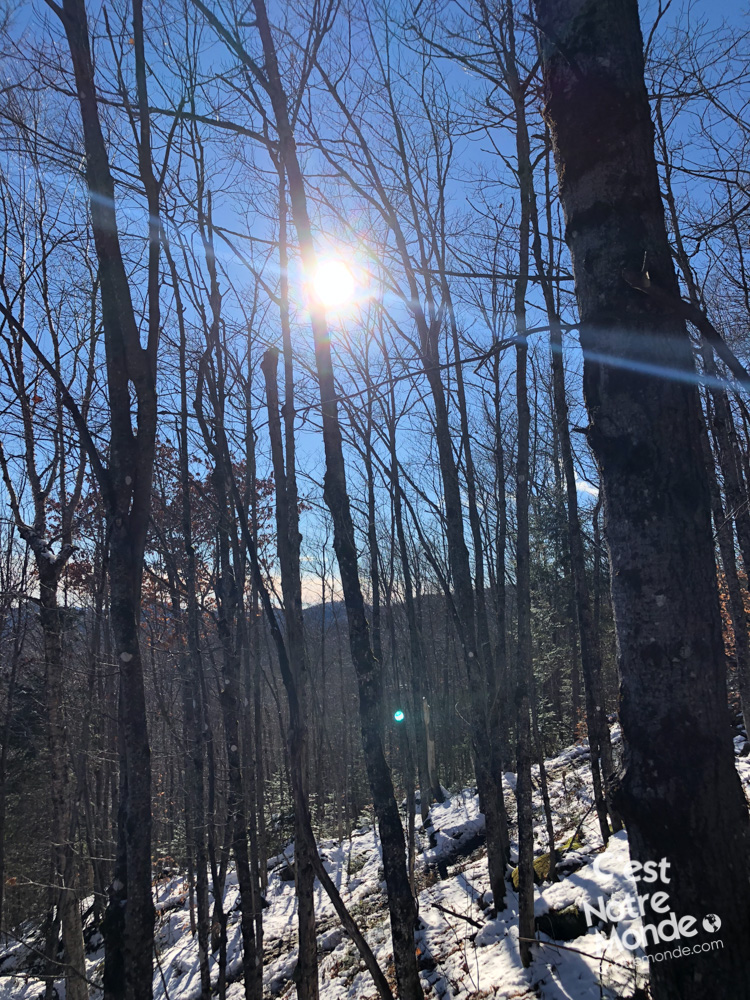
[463, 955]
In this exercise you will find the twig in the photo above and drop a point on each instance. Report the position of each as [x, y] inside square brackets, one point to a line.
[52, 961]
[693, 314]
[577, 951]
[461, 916]
[79, 420]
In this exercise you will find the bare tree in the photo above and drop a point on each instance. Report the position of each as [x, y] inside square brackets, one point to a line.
[679, 785]
[125, 484]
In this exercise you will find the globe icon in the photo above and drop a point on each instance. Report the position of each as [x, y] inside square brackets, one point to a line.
[711, 923]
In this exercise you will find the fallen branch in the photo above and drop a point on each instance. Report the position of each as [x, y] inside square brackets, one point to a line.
[64, 967]
[171, 904]
[461, 916]
[577, 951]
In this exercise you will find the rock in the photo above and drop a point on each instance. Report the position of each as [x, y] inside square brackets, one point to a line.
[287, 873]
[572, 861]
[541, 864]
[563, 925]
[330, 940]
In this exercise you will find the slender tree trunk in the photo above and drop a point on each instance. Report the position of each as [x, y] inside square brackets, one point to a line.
[498, 684]
[497, 821]
[252, 729]
[295, 680]
[9, 697]
[680, 788]
[288, 543]
[400, 900]
[730, 461]
[723, 530]
[193, 682]
[69, 915]
[429, 784]
[230, 630]
[600, 745]
[524, 665]
[543, 784]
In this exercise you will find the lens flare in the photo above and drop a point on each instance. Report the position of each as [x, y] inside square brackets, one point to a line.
[333, 284]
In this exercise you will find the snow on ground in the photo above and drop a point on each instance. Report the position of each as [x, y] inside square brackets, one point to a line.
[463, 955]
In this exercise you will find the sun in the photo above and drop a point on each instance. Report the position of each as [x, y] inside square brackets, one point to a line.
[333, 283]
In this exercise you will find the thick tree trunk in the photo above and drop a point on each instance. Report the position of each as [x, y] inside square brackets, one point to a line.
[134, 817]
[76, 987]
[9, 697]
[126, 490]
[725, 435]
[680, 790]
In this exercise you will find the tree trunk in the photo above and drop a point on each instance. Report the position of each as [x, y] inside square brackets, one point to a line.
[723, 530]
[429, 784]
[725, 436]
[126, 490]
[680, 789]
[600, 745]
[192, 692]
[68, 913]
[368, 670]
[524, 666]
[548, 817]
[229, 628]
[295, 680]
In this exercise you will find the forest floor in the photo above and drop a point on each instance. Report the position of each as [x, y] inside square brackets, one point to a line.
[464, 955]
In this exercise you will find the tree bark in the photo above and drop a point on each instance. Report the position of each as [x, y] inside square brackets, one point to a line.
[126, 489]
[680, 789]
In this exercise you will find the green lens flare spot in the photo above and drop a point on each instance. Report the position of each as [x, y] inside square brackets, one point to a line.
[398, 715]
